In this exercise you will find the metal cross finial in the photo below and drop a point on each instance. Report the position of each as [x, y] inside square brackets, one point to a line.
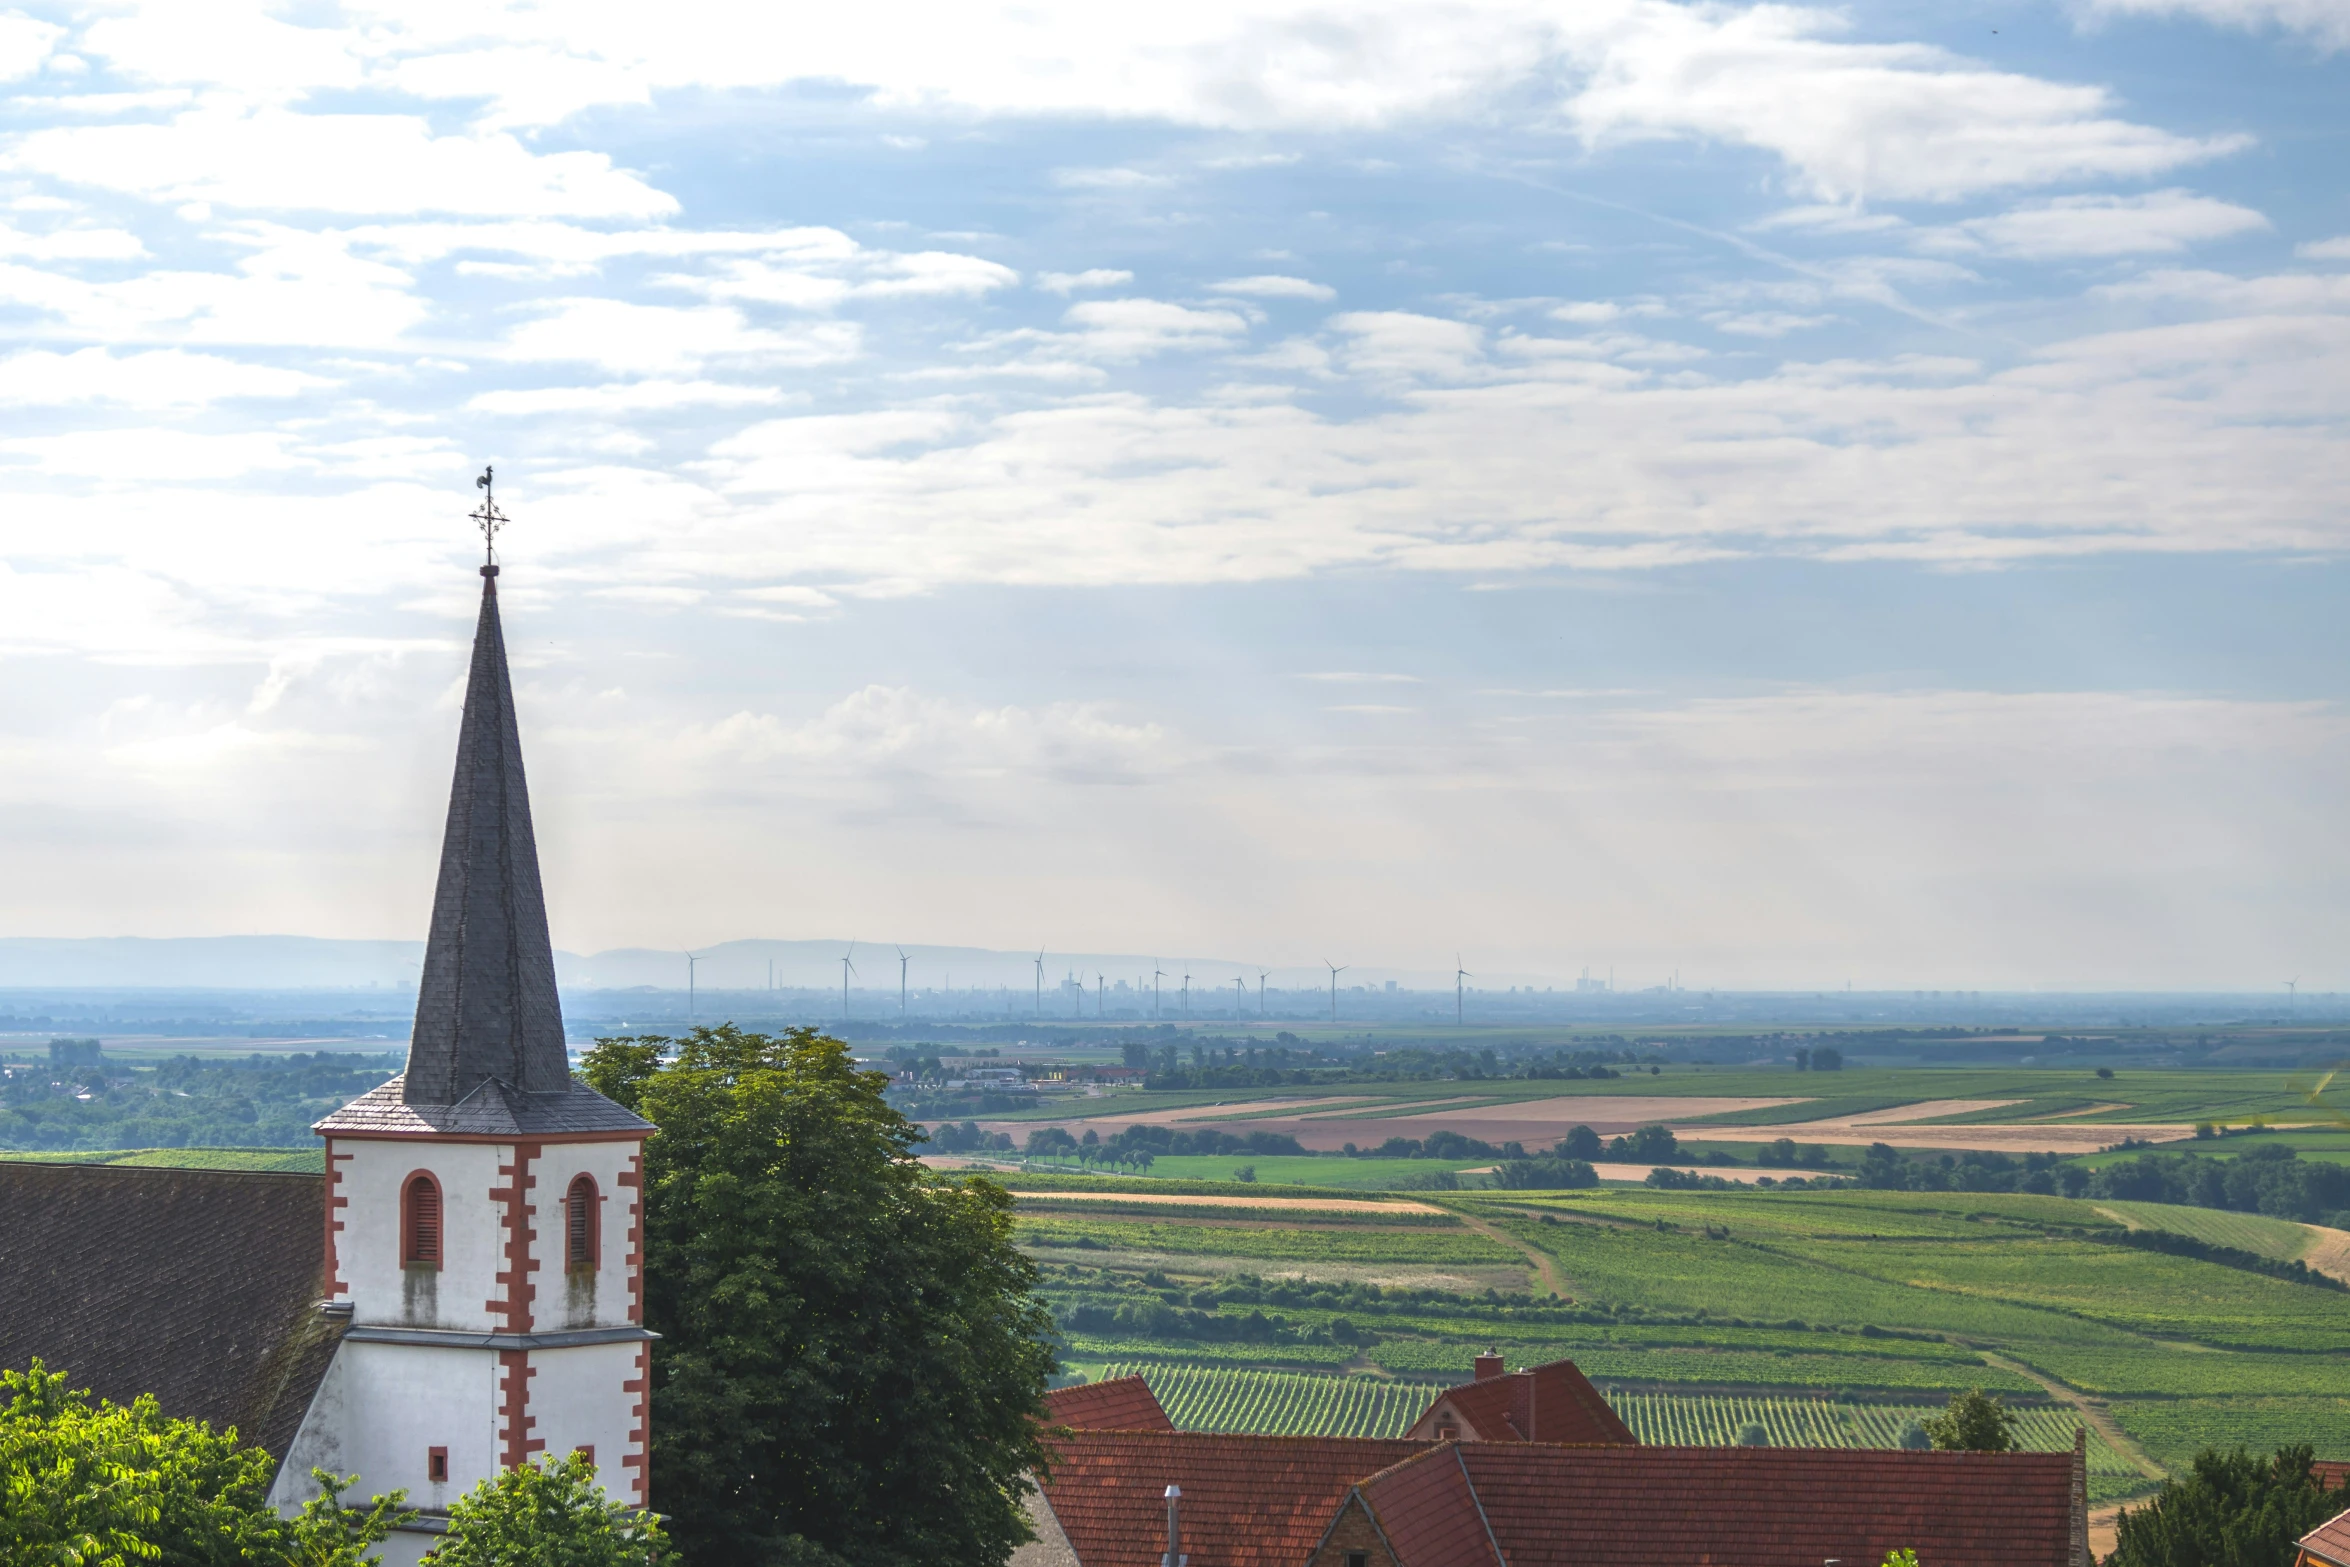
[489, 519]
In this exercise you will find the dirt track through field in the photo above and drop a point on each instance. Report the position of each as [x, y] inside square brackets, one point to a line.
[2091, 1411]
[1544, 1266]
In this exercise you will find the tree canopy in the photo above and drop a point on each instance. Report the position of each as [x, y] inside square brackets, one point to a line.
[853, 1354]
[548, 1514]
[2232, 1509]
[1975, 1422]
[91, 1483]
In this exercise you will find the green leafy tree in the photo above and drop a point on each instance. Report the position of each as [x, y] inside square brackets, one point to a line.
[1975, 1422]
[91, 1483]
[2231, 1509]
[853, 1353]
[548, 1514]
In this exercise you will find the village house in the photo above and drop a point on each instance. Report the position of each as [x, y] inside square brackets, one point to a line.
[1468, 1488]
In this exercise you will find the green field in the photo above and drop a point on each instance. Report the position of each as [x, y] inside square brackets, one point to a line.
[1894, 1297]
[1211, 1398]
[2279, 1239]
[307, 1161]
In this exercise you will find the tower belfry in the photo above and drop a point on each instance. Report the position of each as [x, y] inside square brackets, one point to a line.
[483, 1208]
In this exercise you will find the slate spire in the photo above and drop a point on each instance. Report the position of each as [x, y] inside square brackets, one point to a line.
[486, 1006]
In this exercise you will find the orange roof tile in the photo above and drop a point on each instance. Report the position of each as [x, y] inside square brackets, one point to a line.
[1248, 1501]
[1619, 1506]
[1120, 1404]
[2329, 1541]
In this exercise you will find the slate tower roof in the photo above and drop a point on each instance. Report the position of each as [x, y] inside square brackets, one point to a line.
[487, 1055]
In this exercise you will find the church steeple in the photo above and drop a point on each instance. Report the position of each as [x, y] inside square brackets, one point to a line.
[486, 1057]
[486, 1007]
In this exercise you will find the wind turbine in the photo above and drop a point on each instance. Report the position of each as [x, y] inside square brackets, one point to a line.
[901, 984]
[1460, 1004]
[1240, 984]
[1101, 994]
[1335, 969]
[1187, 993]
[1263, 974]
[1157, 974]
[2292, 992]
[846, 969]
[1040, 982]
[691, 959]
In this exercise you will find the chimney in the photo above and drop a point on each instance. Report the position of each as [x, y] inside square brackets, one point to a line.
[1489, 1366]
[1174, 1556]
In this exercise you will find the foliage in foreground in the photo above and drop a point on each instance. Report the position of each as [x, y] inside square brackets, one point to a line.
[548, 1514]
[854, 1355]
[90, 1483]
[2231, 1510]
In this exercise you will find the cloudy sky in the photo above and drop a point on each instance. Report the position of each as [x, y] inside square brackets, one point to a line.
[1785, 494]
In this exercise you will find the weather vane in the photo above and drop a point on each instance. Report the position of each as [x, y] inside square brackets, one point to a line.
[489, 519]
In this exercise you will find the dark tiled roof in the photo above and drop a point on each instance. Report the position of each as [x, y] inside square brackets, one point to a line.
[491, 1110]
[1551, 1403]
[1120, 1404]
[2329, 1541]
[199, 1286]
[1248, 1501]
[1752, 1507]
[485, 1005]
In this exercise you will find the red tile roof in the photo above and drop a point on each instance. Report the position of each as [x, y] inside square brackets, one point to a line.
[1552, 1506]
[1429, 1512]
[2331, 1474]
[1248, 1501]
[2329, 1541]
[1120, 1404]
[1551, 1403]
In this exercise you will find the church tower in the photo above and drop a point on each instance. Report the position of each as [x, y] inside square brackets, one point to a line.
[483, 1220]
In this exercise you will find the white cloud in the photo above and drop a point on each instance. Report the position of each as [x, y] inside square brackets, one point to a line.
[2324, 22]
[24, 43]
[1397, 342]
[165, 456]
[1854, 121]
[73, 244]
[164, 378]
[2160, 221]
[1876, 120]
[1091, 278]
[2325, 249]
[274, 160]
[623, 397]
[1273, 287]
[1118, 330]
[894, 729]
[628, 337]
[1107, 179]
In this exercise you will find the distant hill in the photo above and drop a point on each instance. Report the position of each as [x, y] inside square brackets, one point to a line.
[309, 963]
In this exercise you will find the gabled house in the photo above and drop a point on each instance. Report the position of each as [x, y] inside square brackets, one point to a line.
[1511, 1504]
[1550, 1403]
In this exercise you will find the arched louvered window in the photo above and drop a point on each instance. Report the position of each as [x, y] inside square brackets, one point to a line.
[579, 1224]
[420, 1222]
